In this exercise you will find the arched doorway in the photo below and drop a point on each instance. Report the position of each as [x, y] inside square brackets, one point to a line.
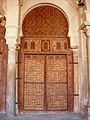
[45, 62]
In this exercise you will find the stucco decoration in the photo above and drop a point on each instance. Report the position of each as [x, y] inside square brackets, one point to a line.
[45, 21]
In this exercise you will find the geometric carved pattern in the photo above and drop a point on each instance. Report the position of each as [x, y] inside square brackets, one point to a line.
[34, 82]
[53, 71]
[48, 44]
[57, 96]
[45, 45]
[34, 96]
[32, 45]
[56, 82]
[56, 68]
[45, 21]
[34, 67]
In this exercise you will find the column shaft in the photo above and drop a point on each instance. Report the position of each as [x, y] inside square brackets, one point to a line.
[83, 70]
[11, 75]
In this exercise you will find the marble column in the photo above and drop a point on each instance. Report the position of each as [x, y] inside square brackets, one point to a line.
[88, 45]
[11, 77]
[83, 67]
[87, 24]
[12, 29]
[83, 71]
[11, 40]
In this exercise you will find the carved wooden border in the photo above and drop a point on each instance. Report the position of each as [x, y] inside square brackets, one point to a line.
[70, 75]
[4, 53]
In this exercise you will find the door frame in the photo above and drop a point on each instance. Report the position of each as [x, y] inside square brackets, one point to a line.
[21, 68]
[4, 61]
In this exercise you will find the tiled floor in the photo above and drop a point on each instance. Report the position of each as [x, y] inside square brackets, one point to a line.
[45, 116]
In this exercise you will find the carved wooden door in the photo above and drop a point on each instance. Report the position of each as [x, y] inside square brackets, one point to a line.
[45, 61]
[45, 78]
[45, 82]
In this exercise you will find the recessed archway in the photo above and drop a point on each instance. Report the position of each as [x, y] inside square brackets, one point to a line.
[44, 21]
[46, 76]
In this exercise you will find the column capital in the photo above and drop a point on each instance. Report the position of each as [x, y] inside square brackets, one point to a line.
[11, 46]
[87, 24]
[11, 40]
[11, 31]
[11, 36]
[85, 28]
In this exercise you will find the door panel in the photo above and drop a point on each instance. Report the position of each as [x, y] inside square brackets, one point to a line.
[45, 82]
[56, 82]
[56, 68]
[56, 97]
[34, 82]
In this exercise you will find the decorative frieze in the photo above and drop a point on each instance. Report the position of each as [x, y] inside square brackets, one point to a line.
[46, 44]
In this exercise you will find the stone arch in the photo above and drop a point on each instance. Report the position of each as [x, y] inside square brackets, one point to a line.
[45, 4]
[35, 22]
[45, 31]
[71, 15]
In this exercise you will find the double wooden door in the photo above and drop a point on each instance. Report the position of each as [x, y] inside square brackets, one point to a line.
[45, 82]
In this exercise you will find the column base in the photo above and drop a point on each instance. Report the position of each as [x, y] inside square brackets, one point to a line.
[85, 111]
[89, 113]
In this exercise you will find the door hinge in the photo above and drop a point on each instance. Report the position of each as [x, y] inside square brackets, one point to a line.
[73, 95]
[18, 78]
[16, 103]
[73, 62]
[18, 62]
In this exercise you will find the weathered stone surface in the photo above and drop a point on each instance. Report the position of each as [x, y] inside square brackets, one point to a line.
[45, 116]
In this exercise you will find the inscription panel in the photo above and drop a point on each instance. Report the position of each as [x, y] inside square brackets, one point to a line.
[44, 45]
